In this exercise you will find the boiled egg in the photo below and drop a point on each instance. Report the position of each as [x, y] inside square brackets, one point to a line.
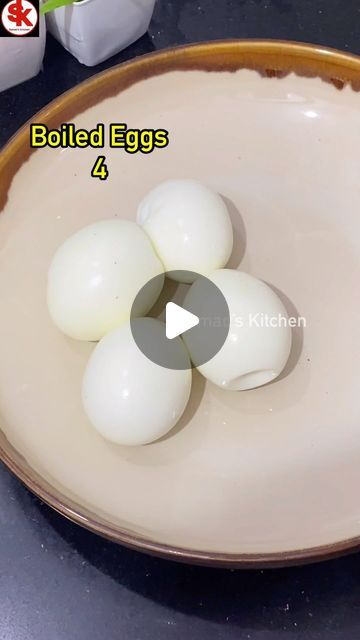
[96, 274]
[129, 399]
[258, 343]
[189, 226]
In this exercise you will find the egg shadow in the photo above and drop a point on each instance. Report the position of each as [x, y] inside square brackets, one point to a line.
[172, 291]
[297, 334]
[196, 396]
[239, 230]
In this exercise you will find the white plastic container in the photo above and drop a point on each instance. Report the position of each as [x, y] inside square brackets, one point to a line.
[94, 30]
[21, 58]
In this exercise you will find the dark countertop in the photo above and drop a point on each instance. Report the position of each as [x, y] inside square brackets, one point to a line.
[60, 582]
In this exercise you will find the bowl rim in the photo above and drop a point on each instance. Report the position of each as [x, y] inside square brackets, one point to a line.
[270, 58]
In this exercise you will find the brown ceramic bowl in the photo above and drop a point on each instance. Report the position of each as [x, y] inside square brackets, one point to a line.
[260, 478]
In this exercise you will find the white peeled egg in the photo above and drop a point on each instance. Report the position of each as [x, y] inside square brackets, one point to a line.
[258, 343]
[95, 276]
[189, 226]
[129, 399]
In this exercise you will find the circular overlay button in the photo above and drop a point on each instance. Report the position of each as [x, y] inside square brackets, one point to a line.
[198, 314]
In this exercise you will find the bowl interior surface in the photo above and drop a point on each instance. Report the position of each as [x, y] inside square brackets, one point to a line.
[270, 471]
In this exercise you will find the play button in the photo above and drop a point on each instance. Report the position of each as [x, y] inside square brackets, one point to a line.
[195, 316]
[178, 320]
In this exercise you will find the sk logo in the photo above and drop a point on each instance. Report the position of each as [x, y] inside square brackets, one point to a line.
[20, 18]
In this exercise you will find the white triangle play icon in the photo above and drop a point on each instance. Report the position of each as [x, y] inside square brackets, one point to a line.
[178, 320]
